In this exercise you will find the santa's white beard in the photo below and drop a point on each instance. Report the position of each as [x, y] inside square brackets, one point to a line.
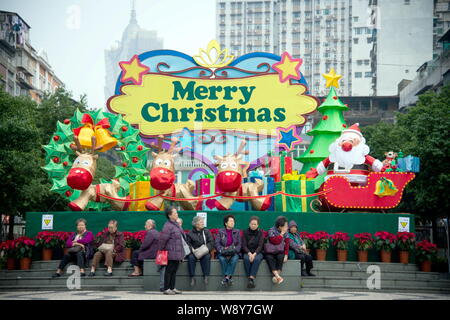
[346, 159]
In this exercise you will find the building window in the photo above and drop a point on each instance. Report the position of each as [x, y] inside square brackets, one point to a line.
[358, 74]
[355, 40]
[368, 74]
[407, 2]
[366, 62]
[355, 19]
[359, 62]
[369, 40]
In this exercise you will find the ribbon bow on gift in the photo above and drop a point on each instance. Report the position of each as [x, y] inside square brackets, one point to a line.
[292, 176]
[385, 187]
[143, 178]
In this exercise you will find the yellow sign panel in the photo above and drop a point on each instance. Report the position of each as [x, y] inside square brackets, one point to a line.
[164, 103]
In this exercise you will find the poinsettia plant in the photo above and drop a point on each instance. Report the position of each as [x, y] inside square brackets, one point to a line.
[8, 248]
[406, 241]
[363, 241]
[307, 239]
[425, 251]
[321, 240]
[62, 237]
[47, 240]
[340, 240]
[130, 241]
[385, 241]
[24, 247]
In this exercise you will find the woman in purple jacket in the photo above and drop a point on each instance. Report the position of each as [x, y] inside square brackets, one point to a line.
[80, 249]
[171, 239]
[228, 246]
[147, 250]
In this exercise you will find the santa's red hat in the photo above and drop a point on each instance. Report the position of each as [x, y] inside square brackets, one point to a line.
[353, 129]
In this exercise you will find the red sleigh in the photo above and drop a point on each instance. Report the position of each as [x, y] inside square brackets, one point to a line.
[343, 196]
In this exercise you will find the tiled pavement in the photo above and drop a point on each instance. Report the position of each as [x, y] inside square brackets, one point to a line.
[235, 295]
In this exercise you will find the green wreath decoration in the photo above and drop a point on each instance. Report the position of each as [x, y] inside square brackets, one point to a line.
[59, 156]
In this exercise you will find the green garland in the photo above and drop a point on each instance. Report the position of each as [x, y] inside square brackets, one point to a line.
[59, 156]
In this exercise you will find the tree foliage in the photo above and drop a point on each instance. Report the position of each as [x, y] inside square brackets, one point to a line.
[422, 132]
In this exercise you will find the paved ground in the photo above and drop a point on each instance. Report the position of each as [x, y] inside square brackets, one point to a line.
[235, 295]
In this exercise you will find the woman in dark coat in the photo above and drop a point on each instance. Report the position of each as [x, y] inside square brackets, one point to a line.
[171, 239]
[147, 250]
[80, 248]
[252, 247]
[197, 237]
[228, 246]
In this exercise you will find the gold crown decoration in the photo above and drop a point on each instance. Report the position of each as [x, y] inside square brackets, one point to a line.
[214, 56]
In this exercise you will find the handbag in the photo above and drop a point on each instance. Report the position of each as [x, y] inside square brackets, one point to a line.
[75, 249]
[271, 248]
[186, 248]
[161, 258]
[202, 250]
[230, 251]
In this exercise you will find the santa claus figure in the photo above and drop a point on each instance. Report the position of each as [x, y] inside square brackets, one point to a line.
[349, 157]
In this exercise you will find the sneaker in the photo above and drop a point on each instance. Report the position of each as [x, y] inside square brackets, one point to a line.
[224, 281]
[176, 291]
[82, 274]
[311, 274]
[304, 273]
[168, 291]
[108, 274]
[192, 283]
[205, 280]
[56, 275]
[91, 274]
[251, 283]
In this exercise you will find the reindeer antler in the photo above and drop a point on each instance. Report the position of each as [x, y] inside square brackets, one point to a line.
[158, 147]
[94, 146]
[241, 149]
[173, 143]
[77, 146]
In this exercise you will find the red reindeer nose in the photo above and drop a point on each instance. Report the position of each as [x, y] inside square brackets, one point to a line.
[79, 179]
[161, 178]
[347, 146]
[229, 181]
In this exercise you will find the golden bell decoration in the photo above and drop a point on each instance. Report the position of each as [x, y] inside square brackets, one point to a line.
[104, 138]
[85, 136]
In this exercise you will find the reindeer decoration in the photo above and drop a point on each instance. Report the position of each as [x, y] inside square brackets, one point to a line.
[231, 170]
[162, 178]
[82, 174]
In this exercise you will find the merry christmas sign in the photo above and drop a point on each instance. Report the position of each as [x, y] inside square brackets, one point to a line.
[258, 95]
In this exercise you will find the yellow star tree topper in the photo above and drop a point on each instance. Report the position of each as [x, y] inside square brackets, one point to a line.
[332, 78]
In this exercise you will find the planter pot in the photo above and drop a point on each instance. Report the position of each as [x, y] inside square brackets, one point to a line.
[342, 255]
[386, 256]
[47, 254]
[321, 254]
[127, 252]
[213, 253]
[363, 255]
[425, 266]
[403, 256]
[10, 264]
[25, 263]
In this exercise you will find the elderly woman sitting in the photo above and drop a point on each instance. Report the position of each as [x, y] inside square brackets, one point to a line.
[201, 242]
[147, 250]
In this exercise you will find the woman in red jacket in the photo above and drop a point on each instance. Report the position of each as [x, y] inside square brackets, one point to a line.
[277, 248]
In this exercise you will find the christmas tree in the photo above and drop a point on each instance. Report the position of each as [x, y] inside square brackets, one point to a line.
[327, 130]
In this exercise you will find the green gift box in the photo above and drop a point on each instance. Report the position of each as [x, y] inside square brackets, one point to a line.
[296, 187]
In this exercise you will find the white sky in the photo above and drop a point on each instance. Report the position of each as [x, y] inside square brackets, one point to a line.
[76, 53]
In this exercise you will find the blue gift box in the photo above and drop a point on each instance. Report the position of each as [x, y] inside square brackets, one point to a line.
[409, 164]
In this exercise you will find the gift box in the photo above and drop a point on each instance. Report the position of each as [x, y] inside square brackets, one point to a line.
[300, 186]
[409, 164]
[206, 185]
[141, 189]
[280, 165]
